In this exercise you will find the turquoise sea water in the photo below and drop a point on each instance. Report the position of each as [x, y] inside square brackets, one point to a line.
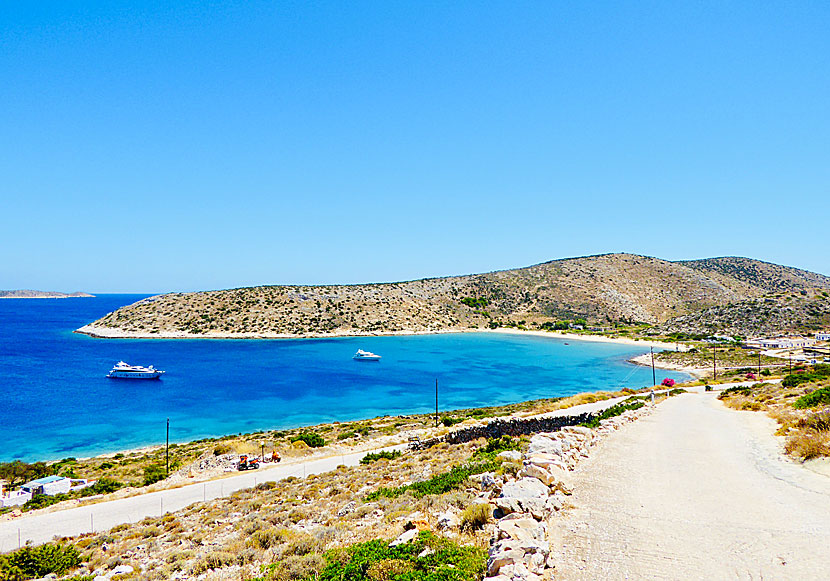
[57, 402]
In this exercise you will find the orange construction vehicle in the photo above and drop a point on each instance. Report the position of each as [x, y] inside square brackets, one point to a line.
[248, 463]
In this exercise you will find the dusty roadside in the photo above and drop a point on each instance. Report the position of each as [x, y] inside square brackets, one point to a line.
[694, 491]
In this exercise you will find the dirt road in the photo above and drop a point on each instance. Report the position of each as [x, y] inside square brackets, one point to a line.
[694, 491]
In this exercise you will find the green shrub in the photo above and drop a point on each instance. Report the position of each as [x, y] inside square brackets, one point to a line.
[16, 473]
[382, 455]
[818, 397]
[614, 410]
[445, 561]
[154, 473]
[311, 439]
[475, 302]
[495, 446]
[32, 562]
[103, 486]
[818, 372]
[448, 421]
[438, 484]
[222, 448]
[42, 500]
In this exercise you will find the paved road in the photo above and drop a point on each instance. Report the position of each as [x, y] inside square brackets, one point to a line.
[695, 491]
[40, 528]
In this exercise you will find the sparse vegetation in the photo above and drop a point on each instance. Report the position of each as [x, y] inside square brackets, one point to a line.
[382, 455]
[614, 410]
[376, 560]
[33, 562]
[802, 409]
[311, 439]
[438, 484]
[561, 294]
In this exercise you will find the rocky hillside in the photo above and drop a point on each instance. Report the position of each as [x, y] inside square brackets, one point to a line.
[765, 275]
[777, 315]
[604, 289]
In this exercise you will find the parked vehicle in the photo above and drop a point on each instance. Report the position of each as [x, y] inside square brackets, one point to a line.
[248, 462]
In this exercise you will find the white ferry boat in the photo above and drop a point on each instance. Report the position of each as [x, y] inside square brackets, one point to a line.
[124, 371]
[362, 355]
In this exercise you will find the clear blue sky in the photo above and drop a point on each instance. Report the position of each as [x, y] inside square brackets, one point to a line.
[166, 146]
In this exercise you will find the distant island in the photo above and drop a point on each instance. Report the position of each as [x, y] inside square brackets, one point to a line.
[622, 294]
[35, 294]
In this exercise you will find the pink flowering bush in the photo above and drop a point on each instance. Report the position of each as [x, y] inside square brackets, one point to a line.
[668, 382]
[750, 376]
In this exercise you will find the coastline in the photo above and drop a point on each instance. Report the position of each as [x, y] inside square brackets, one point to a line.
[53, 297]
[642, 360]
[114, 333]
[596, 338]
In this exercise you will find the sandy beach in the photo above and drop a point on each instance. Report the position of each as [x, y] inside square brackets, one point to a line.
[115, 333]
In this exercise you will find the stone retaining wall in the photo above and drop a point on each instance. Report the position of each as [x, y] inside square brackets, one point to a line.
[508, 427]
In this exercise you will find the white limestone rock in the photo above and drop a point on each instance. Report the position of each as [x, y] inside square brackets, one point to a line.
[406, 537]
[525, 488]
[512, 455]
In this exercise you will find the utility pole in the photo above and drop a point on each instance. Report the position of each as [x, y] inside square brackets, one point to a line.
[653, 373]
[714, 363]
[167, 449]
[262, 447]
[436, 402]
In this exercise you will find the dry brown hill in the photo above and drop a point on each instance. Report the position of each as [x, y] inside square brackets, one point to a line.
[765, 275]
[602, 289]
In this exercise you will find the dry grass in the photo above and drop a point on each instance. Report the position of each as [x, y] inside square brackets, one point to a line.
[807, 432]
[286, 526]
[807, 443]
[475, 516]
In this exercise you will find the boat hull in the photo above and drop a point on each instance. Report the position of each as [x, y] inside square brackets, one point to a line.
[366, 358]
[135, 375]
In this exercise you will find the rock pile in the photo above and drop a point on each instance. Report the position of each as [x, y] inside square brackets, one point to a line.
[520, 550]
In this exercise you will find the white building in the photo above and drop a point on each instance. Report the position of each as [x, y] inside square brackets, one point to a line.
[781, 343]
[823, 336]
[49, 485]
[15, 498]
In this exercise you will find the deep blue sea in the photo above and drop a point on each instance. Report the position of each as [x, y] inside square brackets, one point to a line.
[56, 401]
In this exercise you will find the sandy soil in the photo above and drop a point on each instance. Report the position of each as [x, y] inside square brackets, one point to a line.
[694, 491]
[645, 361]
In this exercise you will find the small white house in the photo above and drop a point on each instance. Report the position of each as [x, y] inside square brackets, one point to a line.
[14, 498]
[49, 485]
[782, 343]
[823, 336]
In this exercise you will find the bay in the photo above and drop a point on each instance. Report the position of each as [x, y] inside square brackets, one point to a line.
[55, 400]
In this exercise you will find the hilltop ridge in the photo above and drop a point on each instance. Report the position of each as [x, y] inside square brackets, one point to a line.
[603, 290]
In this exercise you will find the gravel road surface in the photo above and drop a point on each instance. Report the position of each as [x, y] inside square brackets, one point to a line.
[694, 491]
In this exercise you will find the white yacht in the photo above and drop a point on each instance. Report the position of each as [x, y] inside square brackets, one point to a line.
[124, 371]
[362, 355]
